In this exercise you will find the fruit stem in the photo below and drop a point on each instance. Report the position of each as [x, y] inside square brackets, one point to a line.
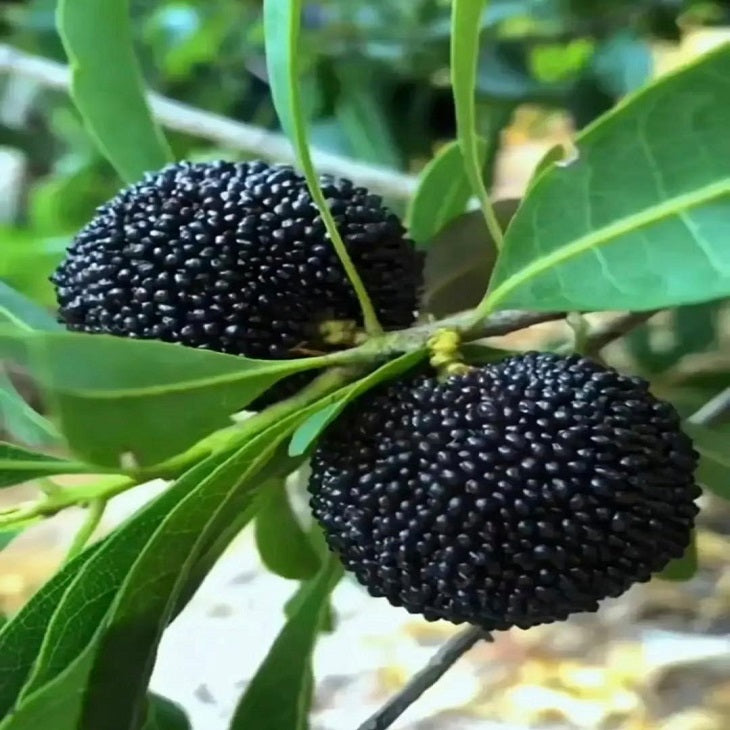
[341, 332]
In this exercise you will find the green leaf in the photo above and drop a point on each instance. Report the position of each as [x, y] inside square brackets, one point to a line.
[19, 420]
[111, 607]
[281, 26]
[22, 312]
[21, 465]
[164, 714]
[107, 86]
[307, 433]
[28, 257]
[111, 620]
[318, 543]
[683, 568]
[466, 26]
[57, 706]
[637, 220]
[281, 30]
[443, 193]
[281, 541]
[79, 612]
[714, 468]
[114, 396]
[459, 260]
[279, 695]
[21, 638]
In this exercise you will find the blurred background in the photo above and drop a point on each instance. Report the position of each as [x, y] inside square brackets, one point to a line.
[376, 81]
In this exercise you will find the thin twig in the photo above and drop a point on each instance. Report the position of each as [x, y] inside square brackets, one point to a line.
[439, 664]
[606, 333]
[712, 410]
[496, 325]
[225, 132]
[53, 503]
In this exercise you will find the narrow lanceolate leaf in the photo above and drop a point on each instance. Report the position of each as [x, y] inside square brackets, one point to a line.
[465, 29]
[637, 218]
[21, 465]
[307, 433]
[111, 619]
[21, 638]
[107, 86]
[22, 422]
[148, 400]
[149, 595]
[70, 647]
[282, 20]
[443, 193]
[18, 310]
[78, 614]
[279, 695]
[283, 545]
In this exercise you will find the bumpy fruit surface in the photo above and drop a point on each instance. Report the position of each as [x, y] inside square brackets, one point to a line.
[513, 495]
[234, 257]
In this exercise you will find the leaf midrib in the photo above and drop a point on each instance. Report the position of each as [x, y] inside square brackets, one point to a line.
[188, 385]
[670, 208]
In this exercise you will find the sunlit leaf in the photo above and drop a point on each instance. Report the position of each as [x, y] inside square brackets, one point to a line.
[21, 638]
[114, 396]
[637, 219]
[107, 85]
[466, 26]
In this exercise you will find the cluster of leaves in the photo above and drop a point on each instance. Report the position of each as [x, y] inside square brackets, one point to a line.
[633, 219]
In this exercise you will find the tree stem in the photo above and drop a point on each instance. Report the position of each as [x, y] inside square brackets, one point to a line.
[439, 664]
